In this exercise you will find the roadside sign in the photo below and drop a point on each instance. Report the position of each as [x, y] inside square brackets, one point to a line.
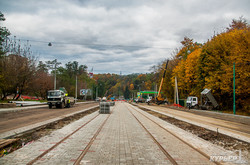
[84, 92]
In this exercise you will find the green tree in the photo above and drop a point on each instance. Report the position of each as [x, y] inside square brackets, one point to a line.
[4, 33]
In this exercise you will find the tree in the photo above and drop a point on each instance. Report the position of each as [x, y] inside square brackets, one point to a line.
[4, 33]
[131, 86]
[187, 74]
[17, 75]
[241, 23]
[216, 67]
[41, 84]
[188, 46]
[126, 93]
[42, 67]
[42, 81]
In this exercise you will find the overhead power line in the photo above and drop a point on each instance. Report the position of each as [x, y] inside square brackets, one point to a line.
[92, 44]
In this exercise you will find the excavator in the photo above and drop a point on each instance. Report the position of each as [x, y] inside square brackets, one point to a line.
[159, 99]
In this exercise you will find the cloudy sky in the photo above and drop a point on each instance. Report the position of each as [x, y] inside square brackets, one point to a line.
[116, 35]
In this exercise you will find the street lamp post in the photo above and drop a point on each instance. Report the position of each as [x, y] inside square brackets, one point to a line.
[55, 63]
[96, 93]
[55, 78]
[234, 108]
[76, 87]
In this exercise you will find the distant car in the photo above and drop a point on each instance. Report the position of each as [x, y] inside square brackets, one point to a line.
[137, 100]
[149, 100]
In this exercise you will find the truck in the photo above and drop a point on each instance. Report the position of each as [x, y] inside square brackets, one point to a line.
[207, 102]
[192, 102]
[149, 99]
[59, 98]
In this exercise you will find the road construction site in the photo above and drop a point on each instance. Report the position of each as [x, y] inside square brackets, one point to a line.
[129, 134]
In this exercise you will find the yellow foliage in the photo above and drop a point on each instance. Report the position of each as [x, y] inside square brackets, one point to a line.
[131, 86]
[187, 73]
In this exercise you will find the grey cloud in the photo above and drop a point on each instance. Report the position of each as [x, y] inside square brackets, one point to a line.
[112, 35]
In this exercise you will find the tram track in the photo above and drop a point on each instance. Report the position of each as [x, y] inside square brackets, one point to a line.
[172, 160]
[154, 139]
[129, 136]
[60, 142]
[86, 149]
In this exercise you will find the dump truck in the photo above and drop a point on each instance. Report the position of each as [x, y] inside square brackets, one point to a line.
[207, 102]
[59, 98]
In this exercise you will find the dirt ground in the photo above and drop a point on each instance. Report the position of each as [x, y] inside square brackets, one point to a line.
[217, 138]
[14, 120]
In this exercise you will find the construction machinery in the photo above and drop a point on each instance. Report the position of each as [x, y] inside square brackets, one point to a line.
[59, 98]
[192, 102]
[207, 102]
[159, 99]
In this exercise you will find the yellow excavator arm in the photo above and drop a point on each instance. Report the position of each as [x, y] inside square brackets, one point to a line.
[159, 99]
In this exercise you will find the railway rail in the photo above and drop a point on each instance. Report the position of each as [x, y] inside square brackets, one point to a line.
[168, 155]
[172, 160]
[60, 142]
[232, 126]
[127, 135]
[78, 160]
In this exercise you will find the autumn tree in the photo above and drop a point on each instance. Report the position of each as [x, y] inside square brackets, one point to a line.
[17, 76]
[216, 66]
[239, 24]
[187, 75]
[188, 46]
[42, 81]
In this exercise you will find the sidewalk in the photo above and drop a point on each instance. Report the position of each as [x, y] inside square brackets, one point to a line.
[3, 110]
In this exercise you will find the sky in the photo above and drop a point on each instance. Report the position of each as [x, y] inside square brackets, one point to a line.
[114, 36]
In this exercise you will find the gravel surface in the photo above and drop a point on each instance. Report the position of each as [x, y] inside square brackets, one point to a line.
[217, 138]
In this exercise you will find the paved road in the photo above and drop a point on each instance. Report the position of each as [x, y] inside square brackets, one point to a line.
[121, 140]
[13, 120]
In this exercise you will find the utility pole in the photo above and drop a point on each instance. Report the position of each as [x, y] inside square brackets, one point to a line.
[55, 79]
[76, 87]
[176, 92]
[53, 65]
[96, 93]
[234, 108]
[155, 91]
